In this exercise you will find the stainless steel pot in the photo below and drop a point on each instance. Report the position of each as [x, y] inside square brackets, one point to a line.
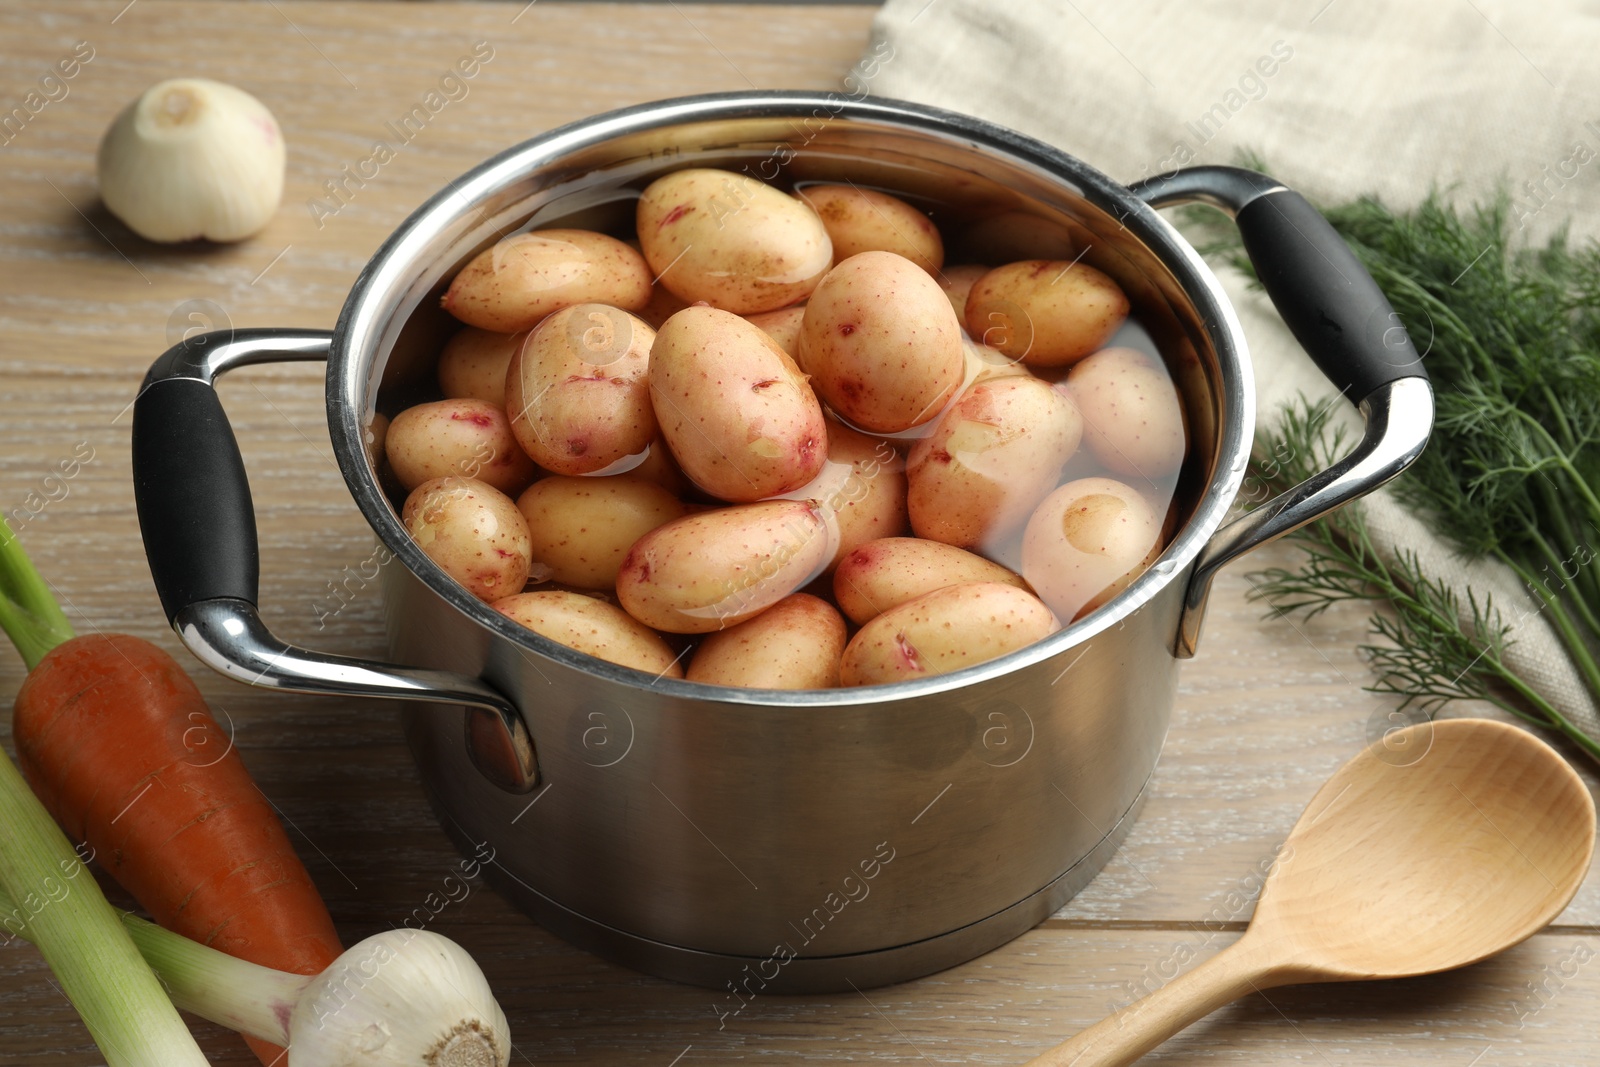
[763, 840]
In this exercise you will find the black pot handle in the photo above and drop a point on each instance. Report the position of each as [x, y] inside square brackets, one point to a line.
[1345, 324]
[199, 530]
[1326, 297]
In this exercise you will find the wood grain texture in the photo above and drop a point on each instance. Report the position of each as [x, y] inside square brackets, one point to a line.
[1266, 712]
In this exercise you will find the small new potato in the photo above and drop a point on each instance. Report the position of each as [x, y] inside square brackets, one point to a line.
[783, 326]
[577, 392]
[943, 631]
[731, 241]
[1045, 312]
[714, 569]
[1132, 417]
[1086, 542]
[521, 279]
[993, 456]
[466, 438]
[865, 220]
[735, 410]
[474, 363]
[957, 282]
[795, 644]
[881, 343]
[473, 531]
[891, 571]
[861, 488]
[581, 528]
[592, 626]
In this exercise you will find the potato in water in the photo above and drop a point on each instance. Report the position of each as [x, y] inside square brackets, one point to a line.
[862, 488]
[467, 438]
[731, 241]
[577, 392]
[943, 631]
[795, 644]
[525, 277]
[474, 362]
[1086, 542]
[1132, 418]
[1045, 312]
[710, 571]
[865, 220]
[602, 630]
[881, 343]
[886, 573]
[735, 410]
[994, 455]
[581, 528]
[473, 531]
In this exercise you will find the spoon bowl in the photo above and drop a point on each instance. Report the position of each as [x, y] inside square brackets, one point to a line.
[1436, 847]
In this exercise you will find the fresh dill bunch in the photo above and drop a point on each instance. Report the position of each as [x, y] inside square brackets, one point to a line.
[1431, 652]
[1510, 336]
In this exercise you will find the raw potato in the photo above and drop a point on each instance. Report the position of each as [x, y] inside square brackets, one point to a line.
[581, 528]
[881, 343]
[727, 239]
[465, 438]
[659, 467]
[1045, 312]
[710, 571]
[473, 531]
[1132, 417]
[474, 362]
[985, 362]
[516, 283]
[592, 626]
[884, 574]
[735, 410]
[577, 392]
[783, 326]
[795, 644]
[862, 488]
[1086, 542]
[865, 220]
[992, 458]
[943, 631]
[957, 282]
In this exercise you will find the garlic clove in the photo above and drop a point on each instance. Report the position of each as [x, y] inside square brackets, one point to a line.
[193, 158]
[406, 998]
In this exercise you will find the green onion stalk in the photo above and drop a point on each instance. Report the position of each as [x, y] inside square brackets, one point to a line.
[48, 895]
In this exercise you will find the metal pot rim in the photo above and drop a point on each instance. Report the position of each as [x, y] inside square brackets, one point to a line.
[359, 332]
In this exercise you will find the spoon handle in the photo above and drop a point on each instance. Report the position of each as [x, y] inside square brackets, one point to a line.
[1130, 1032]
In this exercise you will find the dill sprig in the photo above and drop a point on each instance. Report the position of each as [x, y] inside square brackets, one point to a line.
[1511, 339]
[1431, 652]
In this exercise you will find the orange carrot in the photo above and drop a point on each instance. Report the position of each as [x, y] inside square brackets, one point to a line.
[118, 743]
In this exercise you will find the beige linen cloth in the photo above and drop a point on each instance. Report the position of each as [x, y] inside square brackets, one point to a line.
[1340, 98]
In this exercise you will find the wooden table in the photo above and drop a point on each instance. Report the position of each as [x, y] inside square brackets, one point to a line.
[1266, 712]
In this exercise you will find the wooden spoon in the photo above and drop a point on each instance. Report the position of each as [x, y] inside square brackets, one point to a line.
[1437, 847]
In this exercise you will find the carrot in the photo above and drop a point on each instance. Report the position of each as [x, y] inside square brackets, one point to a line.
[120, 747]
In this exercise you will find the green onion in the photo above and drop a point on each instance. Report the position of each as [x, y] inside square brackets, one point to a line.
[61, 909]
[77, 931]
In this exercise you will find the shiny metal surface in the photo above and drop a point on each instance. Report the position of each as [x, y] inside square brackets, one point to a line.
[206, 356]
[1399, 418]
[228, 636]
[1228, 189]
[801, 840]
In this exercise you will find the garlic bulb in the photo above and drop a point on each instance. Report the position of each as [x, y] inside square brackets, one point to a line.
[405, 997]
[193, 158]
